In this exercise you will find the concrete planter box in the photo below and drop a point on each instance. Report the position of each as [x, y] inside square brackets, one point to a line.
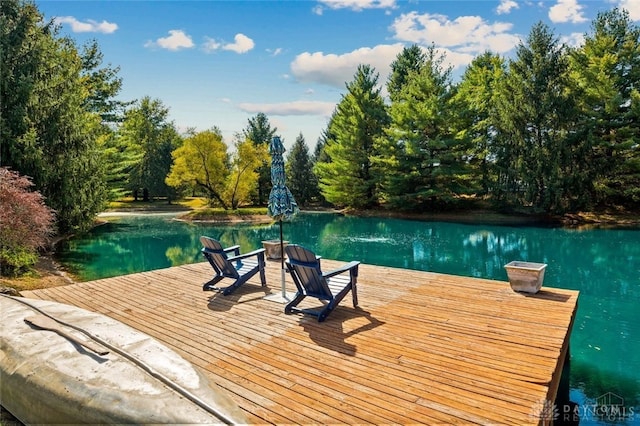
[272, 248]
[525, 277]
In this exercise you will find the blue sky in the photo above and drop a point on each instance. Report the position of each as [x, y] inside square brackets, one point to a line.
[218, 63]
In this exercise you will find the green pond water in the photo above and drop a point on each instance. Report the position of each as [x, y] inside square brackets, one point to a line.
[603, 264]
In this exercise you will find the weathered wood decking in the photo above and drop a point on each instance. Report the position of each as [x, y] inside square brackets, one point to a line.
[422, 348]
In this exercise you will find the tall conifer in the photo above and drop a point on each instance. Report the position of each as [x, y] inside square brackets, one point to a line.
[420, 155]
[606, 70]
[536, 125]
[300, 178]
[348, 179]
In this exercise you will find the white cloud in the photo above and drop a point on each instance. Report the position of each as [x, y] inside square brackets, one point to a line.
[90, 26]
[468, 34]
[176, 40]
[275, 52]
[242, 44]
[633, 7]
[324, 109]
[210, 45]
[336, 70]
[356, 5]
[573, 39]
[567, 11]
[506, 6]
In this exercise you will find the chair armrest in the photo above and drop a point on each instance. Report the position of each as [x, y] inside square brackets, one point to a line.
[349, 266]
[244, 256]
[234, 249]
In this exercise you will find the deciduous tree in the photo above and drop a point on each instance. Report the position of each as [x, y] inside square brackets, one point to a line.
[243, 177]
[26, 223]
[202, 162]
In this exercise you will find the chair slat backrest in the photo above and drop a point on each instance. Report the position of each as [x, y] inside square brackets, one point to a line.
[217, 257]
[306, 267]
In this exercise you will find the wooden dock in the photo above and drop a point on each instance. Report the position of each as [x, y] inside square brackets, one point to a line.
[422, 348]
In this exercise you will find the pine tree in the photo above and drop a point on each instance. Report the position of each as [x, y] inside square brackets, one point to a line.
[300, 178]
[606, 70]
[475, 104]
[46, 129]
[103, 85]
[260, 132]
[150, 138]
[410, 60]
[535, 153]
[348, 179]
[319, 156]
[420, 154]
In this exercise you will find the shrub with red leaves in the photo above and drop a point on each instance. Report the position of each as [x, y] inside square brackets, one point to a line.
[26, 223]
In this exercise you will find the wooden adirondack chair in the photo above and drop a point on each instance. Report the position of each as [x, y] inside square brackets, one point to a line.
[330, 287]
[237, 267]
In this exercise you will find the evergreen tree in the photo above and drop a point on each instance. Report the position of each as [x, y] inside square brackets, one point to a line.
[120, 158]
[300, 178]
[318, 150]
[536, 153]
[420, 155]
[475, 103]
[149, 138]
[606, 70]
[103, 85]
[46, 129]
[410, 60]
[318, 154]
[348, 179]
[21, 35]
[259, 131]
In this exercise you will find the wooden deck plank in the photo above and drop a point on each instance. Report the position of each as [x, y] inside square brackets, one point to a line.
[421, 348]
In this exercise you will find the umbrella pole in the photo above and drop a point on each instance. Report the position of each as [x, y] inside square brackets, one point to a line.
[284, 290]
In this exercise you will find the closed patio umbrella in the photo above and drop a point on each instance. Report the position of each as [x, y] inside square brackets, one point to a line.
[282, 205]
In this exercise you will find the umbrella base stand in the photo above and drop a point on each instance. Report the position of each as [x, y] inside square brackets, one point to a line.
[281, 297]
